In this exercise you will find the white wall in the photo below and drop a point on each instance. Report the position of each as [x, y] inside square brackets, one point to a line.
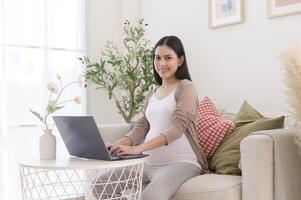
[227, 64]
[105, 22]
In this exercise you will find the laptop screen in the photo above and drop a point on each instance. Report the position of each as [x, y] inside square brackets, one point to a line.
[81, 137]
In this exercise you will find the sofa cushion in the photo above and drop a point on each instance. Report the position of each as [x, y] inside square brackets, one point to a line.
[212, 128]
[248, 120]
[113, 132]
[210, 187]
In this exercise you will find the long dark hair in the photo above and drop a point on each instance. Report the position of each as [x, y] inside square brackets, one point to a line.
[176, 45]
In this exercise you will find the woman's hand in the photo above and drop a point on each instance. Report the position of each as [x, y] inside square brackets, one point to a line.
[118, 149]
[123, 150]
[113, 148]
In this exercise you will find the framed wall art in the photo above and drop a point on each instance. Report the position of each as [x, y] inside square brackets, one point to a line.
[225, 12]
[278, 8]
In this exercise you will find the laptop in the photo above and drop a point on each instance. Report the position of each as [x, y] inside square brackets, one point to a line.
[83, 139]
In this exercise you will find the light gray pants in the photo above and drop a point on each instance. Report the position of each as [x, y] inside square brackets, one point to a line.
[162, 180]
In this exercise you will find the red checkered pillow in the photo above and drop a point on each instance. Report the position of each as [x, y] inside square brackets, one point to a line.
[212, 128]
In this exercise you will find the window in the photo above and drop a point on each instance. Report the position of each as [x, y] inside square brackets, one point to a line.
[38, 39]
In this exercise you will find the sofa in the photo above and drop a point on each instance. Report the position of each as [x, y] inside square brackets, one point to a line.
[271, 169]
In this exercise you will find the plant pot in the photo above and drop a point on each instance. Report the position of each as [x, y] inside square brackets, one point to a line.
[47, 145]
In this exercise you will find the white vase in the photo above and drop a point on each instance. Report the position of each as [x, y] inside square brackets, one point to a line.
[47, 145]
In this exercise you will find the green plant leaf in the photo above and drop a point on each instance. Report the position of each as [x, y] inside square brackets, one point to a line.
[36, 114]
[124, 70]
[52, 102]
[52, 108]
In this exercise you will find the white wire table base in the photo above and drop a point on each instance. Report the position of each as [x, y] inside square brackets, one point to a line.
[121, 183]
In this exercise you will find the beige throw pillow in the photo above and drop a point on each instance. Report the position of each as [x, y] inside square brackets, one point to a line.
[227, 156]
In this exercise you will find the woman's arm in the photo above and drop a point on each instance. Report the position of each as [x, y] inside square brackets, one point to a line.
[185, 113]
[142, 126]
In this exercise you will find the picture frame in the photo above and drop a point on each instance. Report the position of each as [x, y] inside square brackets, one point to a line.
[279, 8]
[225, 12]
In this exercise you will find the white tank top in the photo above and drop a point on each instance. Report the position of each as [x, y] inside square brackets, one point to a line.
[159, 114]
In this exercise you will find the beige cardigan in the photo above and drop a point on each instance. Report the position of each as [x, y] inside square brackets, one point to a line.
[184, 121]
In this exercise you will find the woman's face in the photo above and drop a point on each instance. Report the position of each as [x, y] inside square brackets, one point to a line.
[166, 62]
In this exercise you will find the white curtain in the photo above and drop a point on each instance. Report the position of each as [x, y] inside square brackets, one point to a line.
[38, 39]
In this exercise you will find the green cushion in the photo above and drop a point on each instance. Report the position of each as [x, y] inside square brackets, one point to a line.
[226, 158]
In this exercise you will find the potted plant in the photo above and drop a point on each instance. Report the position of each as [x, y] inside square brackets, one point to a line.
[125, 73]
[47, 142]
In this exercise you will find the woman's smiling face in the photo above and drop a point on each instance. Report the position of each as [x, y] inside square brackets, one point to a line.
[166, 62]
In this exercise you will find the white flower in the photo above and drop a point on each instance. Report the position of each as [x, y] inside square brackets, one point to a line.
[77, 99]
[53, 102]
[81, 81]
[53, 87]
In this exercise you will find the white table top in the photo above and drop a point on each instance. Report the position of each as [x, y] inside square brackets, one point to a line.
[78, 163]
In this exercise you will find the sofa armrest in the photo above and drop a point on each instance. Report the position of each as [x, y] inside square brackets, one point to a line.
[113, 132]
[257, 167]
[271, 168]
